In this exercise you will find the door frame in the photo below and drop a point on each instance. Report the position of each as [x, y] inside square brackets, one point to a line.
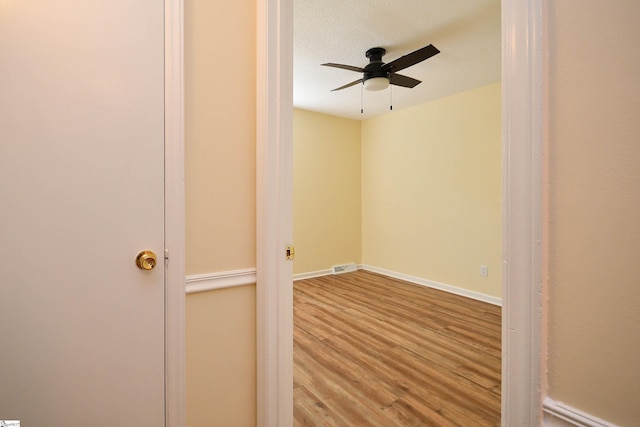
[175, 407]
[522, 192]
[274, 171]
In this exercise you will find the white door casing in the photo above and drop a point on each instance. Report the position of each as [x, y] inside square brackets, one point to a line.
[274, 170]
[82, 112]
[522, 85]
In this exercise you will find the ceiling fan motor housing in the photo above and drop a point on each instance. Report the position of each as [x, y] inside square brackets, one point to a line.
[374, 68]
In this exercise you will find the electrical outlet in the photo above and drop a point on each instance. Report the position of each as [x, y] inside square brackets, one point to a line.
[484, 270]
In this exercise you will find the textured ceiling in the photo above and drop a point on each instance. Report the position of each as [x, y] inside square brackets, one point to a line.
[467, 33]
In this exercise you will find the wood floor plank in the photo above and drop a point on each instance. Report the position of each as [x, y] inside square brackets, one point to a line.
[310, 411]
[371, 350]
[340, 393]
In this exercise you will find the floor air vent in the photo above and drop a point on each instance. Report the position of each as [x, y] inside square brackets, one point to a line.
[344, 268]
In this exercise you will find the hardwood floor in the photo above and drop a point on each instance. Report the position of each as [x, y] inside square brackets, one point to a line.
[370, 350]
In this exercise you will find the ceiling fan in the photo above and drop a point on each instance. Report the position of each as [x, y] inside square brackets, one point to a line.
[377, 75]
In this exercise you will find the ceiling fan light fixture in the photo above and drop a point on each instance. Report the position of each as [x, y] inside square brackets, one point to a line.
[376, 83]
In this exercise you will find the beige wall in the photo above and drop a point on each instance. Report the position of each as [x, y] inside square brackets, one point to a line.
[220, 128]
[326, 191]
[220, 209]
[431, 190]
[221, 359]
[430, 185]
[593, 162]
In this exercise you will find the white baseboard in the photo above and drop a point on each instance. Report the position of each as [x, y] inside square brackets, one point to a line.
[219, 280]
[557, 414]
[417, 280]
[312, 274]
[436, 285]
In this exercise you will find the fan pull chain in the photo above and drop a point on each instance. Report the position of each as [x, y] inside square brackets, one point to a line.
[391, 97]
[362, 98]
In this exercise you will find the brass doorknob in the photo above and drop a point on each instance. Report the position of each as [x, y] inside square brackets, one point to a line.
[146, 260]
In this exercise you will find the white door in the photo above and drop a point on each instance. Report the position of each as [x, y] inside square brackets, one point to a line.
[81, 193]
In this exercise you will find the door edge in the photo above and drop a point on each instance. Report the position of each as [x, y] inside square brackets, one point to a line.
[175, 403]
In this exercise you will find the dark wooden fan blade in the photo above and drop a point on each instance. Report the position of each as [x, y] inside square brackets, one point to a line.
[348, 85]
[411, 59]
[344, 67]
[404, 81]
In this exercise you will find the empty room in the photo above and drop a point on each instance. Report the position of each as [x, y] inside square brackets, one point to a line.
[397, 214]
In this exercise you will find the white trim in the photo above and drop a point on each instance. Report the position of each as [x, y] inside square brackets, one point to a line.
[522, 85]
[412, 279]
[175, 412]
[435, 285]
[221, 280]
[558, 414]
[274, 170]
[312, 274]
